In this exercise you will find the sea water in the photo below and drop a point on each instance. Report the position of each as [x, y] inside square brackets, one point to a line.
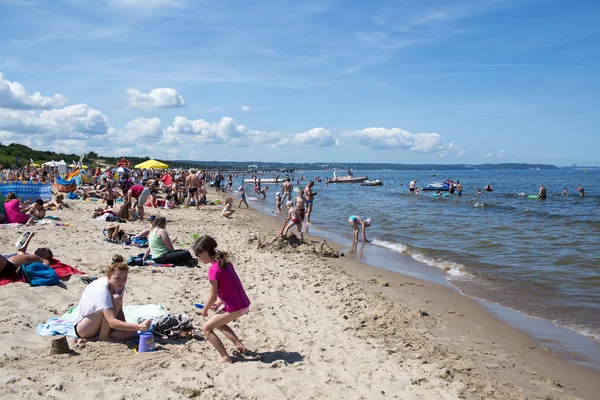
[539, 257]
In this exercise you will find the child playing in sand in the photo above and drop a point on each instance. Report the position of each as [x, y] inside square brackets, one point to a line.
[226, 286]
[227, 211]
[294, 219]
[242, 197]
[101, 307]
[278, 202]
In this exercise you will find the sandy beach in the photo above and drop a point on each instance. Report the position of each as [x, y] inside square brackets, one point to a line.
[325, 327]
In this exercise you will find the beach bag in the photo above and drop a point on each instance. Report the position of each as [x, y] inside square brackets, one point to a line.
[38, 274]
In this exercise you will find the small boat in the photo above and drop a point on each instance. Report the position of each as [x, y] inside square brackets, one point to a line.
[347, 179]
[438, 186]
[375, 182]
[432, 174]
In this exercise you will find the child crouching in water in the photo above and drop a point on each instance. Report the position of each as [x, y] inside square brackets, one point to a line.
[226, 286]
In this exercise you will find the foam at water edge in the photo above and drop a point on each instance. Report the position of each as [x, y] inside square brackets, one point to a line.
[454, 270]
[583, 331]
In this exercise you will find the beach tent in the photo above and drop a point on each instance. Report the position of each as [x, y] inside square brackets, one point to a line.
[152, 164]
[62, 167]
[50, 164]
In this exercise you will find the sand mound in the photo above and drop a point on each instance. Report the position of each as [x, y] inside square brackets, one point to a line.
[291, 243]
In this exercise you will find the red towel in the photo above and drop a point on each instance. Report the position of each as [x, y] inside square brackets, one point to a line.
[62, 270]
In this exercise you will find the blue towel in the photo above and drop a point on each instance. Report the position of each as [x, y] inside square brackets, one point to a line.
[57, 326]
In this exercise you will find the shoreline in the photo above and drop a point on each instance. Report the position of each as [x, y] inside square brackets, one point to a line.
[565, 342]
[530, 333]
[338, 328]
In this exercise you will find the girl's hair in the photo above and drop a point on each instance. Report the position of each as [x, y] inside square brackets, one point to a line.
[11, 196]
[118, 264]
[229, 200]
[208, 244]
[159, 222]
[60, 197]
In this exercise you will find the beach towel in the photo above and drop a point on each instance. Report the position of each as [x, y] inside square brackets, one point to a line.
[64, 325]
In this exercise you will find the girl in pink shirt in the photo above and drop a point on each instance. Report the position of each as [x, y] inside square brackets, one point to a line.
[226, 286]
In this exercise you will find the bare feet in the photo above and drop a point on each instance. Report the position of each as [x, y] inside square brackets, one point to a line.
[225, 360]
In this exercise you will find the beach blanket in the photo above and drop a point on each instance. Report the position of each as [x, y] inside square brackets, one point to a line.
[64, 325]
[61, 269]
[25, 190]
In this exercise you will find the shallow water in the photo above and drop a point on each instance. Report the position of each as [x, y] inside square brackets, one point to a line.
[539, 257]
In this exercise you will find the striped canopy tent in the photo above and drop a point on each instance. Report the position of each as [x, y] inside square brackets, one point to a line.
[152, 164]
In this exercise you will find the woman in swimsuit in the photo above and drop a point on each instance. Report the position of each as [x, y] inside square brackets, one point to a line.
[357, 223]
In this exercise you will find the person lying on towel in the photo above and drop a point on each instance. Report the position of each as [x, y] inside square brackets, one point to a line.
[11, 265]
[101, 314]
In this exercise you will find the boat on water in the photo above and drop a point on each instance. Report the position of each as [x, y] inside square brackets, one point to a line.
[441, 186]
[375, 182]
[347, 179]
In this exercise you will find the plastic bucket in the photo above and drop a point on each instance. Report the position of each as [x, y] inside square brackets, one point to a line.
[146, 342]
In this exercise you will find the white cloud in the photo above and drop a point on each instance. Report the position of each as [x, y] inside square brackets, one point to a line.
[75, 121]
[144, 129]
[383, 138]
[157, 98]
[14, 96]
[74, 128]
[487, 155]
[501, 154]
[228, 132]
[246, 108]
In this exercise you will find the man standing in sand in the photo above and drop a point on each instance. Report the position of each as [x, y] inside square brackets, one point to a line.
[286, 188]
[192, 185]
[310, 197]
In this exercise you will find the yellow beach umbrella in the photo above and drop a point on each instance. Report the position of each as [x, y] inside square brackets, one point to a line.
[34, 165]
[152, 164]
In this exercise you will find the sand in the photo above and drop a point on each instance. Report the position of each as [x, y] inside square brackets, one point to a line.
[325, 327]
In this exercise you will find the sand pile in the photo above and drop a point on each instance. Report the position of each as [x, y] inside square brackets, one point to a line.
[291, 243]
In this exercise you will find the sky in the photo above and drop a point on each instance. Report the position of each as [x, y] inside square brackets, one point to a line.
[394, 81]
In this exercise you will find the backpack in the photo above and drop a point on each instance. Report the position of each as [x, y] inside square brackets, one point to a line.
[38, 274]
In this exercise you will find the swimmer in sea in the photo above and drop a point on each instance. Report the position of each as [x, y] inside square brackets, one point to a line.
[565, 193]
[488, 188]
[580, 190]
[542, 192]
[357, 224]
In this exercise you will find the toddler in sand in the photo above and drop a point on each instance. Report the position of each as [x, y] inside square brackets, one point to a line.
[227, 211]
[226, 286]
[294, 219]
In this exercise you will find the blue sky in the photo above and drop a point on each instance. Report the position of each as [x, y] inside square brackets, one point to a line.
[365, 81]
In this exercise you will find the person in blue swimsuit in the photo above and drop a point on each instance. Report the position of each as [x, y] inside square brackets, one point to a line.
[357, 224]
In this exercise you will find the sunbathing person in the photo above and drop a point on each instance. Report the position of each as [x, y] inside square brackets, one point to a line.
[101, 307]
[11, 265]
[58, 203]
[115, 234]
[162, 249]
